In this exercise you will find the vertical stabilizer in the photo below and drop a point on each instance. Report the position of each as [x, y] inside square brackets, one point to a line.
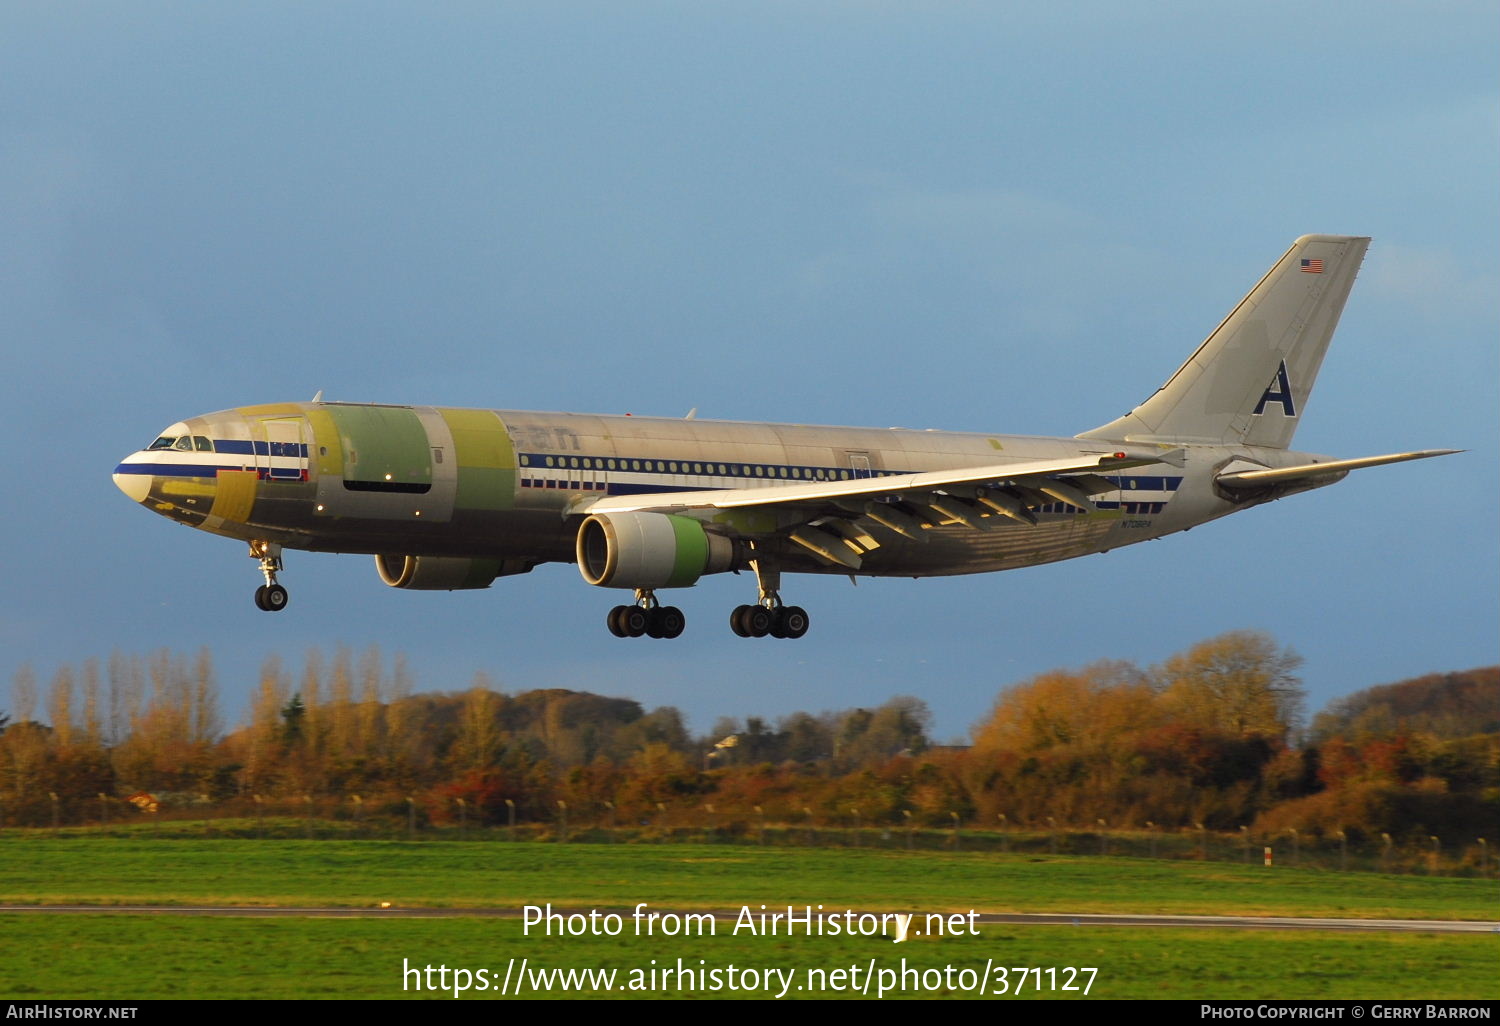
[1249, 382]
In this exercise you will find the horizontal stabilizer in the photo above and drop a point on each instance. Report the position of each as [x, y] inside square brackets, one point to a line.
[1259, 478]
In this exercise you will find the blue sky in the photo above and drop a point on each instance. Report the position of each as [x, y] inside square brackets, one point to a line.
[967, 216]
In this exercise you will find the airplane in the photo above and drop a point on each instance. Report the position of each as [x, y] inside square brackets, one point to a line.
[450, 499]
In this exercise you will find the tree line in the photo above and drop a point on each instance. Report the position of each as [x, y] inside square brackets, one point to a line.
[1213, 738]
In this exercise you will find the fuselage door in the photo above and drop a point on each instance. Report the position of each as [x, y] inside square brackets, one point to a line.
[859, 465]
[282, 456]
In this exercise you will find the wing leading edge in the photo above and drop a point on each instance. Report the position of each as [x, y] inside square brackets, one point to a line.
[823, 492]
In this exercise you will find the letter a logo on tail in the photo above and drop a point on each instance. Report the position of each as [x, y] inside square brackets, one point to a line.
[1278, 391]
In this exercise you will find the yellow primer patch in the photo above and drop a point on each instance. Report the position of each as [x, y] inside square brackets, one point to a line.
[327, 450]
[271, 410]
[187, 487]
[234, 495]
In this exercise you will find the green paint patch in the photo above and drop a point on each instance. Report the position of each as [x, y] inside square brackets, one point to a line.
[691, 549]
[383, 445]
[486, 459]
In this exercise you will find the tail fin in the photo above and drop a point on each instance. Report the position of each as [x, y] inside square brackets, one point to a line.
[1249, 382]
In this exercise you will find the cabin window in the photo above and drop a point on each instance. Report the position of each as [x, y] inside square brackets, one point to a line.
[549, 461]
[202, 444]
[525, 461]
[183, 444]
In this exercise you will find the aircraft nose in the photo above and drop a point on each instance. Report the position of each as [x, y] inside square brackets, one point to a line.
[131, 480]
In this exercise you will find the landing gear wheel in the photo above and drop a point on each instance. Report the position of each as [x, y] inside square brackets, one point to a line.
[271, 597]
[757, 621]
[616, 623]
[737, 621]
[633, 621]
[792, 620]
[665, 622]
[260, 597]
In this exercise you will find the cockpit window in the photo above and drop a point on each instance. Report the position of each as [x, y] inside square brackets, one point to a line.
[202, 444]
[162, 443]
[185, 443]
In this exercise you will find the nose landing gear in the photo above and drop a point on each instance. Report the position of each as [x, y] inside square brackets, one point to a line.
[270, 596]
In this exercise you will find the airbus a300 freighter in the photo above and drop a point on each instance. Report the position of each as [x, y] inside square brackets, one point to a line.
[455, 498]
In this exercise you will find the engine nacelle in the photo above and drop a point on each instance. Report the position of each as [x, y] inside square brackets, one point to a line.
[650, 550]
[442, 573]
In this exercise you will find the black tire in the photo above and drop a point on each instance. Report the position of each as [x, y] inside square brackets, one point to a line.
[275, 598]
[654, 622]
[260, 597]
[634, 620]
[670, 621]
[612, 620]
[794, 621]
[737, 621]
[778, 622]
[758, 621]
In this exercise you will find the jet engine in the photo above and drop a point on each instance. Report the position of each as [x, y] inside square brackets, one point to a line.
[442, 573]
[650, 550]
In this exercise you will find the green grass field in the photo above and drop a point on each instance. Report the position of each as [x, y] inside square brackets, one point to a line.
[450, 873]
[128, 956]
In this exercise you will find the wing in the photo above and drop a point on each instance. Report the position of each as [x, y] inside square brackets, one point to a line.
[1310, 471]
[833, 519]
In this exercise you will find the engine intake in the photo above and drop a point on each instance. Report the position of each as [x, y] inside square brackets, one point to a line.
[650, 550]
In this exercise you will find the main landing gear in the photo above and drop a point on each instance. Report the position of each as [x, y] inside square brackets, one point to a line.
[768, 615]
[778, 621]
[269, 596]
[645, 617]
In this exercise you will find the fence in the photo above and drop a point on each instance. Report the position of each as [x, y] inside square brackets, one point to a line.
[388, 817]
